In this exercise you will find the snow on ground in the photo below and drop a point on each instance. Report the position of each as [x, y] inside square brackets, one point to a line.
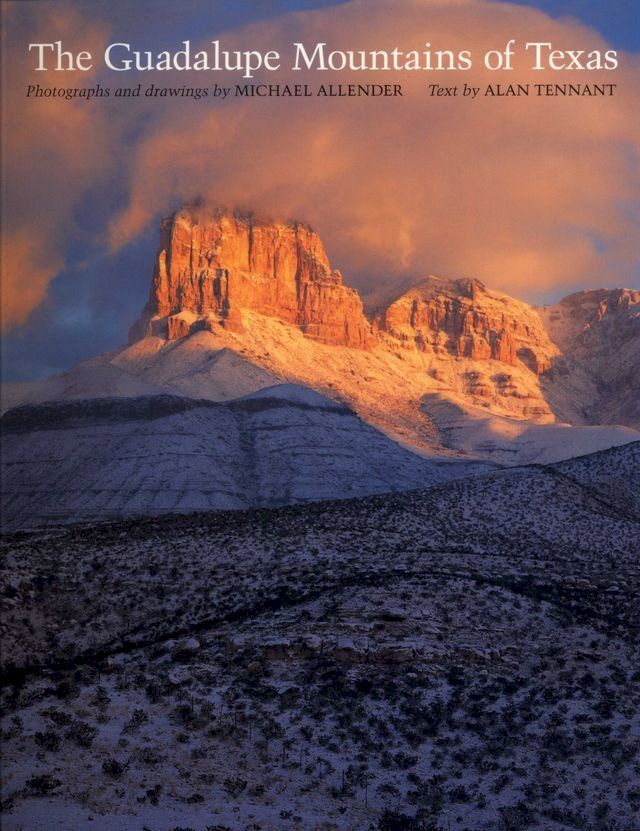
[188, 367]
[94, 379]
[465, 657]
[125, 457]
[432, 403]
[294, 393]
[511, 441]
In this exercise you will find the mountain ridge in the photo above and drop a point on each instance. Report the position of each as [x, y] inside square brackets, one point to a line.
[149, 455]
[213, 267]
[238, 303]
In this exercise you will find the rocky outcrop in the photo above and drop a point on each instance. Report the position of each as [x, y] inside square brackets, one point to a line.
[212, 264]
[598, 332]
[230, 272]
[587, 321]
[464, 319]
[452, 364]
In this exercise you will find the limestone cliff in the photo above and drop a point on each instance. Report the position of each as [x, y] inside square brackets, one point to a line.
[463, 319]
[239, 303]
[212, 264]
[598, 332]
[266, 290]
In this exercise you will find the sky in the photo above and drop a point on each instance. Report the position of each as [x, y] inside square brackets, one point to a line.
[536, 197]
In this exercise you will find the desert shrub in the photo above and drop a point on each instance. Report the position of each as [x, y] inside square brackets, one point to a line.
[81, 733]
[42, 785]
[234, 786]
[112, 767]
[153, 794]
[183, 714]
[58, 717]
[148, 756]
[67, 690]
[49, 740]
[428, 795]
[404, 761]
[515, 818]
[394, 821]
[138, 718]
[101, 699]
[459, 794]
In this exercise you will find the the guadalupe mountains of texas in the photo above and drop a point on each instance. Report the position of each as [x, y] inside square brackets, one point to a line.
[255, 377]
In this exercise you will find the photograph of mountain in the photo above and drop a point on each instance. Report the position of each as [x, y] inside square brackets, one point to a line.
[320, 415]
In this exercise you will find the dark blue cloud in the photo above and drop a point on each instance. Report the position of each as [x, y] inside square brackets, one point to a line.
[88, 310]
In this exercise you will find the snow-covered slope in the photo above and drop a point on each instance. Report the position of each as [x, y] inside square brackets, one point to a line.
[614, 475]
[512, 441]
[467, 655]
[192, 367]
[152, 455]
[196, 367]
[97, 378]
[391, 387]
[598, 333]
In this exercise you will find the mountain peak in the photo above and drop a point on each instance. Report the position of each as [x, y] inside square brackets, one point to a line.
[219, 271]
[611, 298]
[467, 320]
[463, 286]
[213, 263]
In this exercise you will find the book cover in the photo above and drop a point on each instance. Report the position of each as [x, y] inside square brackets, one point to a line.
[320, 415]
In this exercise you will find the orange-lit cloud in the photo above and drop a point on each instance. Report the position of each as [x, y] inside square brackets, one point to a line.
[528, 194]
[53, 152]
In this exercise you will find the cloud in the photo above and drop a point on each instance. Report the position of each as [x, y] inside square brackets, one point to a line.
[54, 152]
[528, 194]
[531, 195]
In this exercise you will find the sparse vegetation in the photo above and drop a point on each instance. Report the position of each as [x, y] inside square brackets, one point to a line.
[368, 665]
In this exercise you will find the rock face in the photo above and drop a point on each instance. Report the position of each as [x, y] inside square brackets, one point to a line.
[239, 303]
[464, 319]
[588, 322]
[599, 334]
[212, 264]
